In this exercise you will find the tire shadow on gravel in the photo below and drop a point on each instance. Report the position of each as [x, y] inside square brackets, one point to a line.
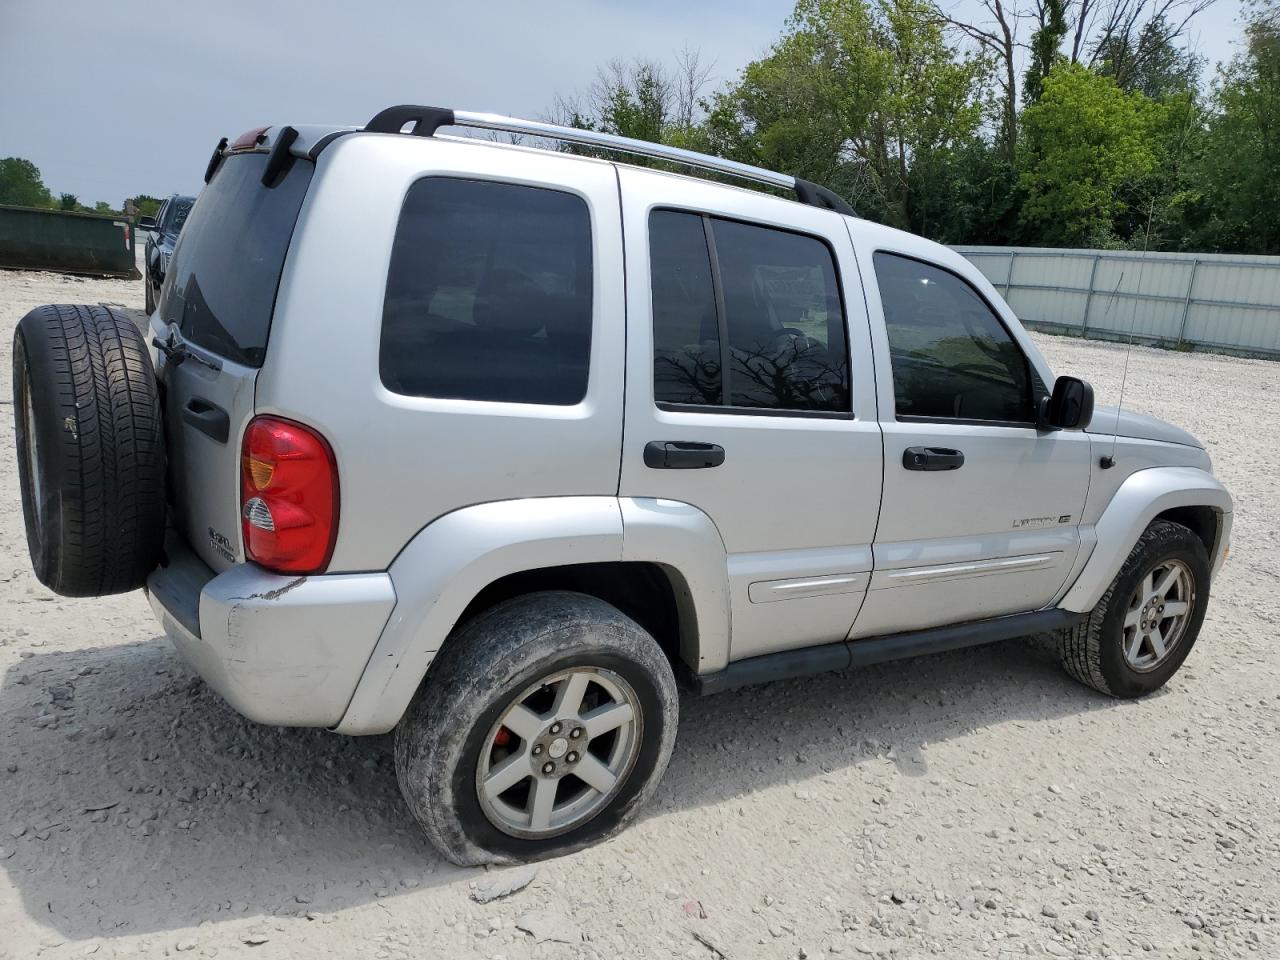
[142, 802]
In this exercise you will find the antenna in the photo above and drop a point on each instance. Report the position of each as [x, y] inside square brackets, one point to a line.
[1109, 461]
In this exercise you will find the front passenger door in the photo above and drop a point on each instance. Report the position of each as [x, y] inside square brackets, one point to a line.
[981, 511]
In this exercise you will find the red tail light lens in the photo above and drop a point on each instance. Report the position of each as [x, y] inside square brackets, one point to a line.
[288, 496]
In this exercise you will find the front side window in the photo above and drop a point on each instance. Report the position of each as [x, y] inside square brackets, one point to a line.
[952, 357]
[745, 317]
[489, 294]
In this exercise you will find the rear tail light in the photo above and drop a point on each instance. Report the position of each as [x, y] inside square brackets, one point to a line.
[288, 496]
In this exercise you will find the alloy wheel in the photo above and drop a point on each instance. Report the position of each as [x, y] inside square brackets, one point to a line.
[559, 753]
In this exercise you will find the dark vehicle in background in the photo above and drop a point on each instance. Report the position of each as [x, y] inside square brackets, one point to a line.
[162, 236]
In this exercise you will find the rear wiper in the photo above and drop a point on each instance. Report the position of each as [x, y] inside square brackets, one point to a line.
[176, 351]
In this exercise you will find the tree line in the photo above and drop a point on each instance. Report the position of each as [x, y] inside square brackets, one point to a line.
[21, 185]
[1080, 123]
[1075, 123]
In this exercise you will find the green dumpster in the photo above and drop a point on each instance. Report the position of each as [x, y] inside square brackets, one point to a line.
[66, 242]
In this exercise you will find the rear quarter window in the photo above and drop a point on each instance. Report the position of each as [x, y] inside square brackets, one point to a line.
[489, 294]
[221, 286]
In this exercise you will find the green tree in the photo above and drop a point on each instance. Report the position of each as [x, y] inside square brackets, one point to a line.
[1151, 63]
[68, 201]
[1044, 47]
[866, 96]
[644, 100]
[1085, 141]
[21, 185]
[1240, 167]
[145, 205]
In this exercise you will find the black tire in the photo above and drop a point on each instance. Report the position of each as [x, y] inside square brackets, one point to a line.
[1092, 651]
[90, 449]
[483, 668]
[149, 296]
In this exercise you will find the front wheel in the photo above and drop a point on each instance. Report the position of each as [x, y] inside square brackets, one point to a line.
[1144, 626]
[544, 726]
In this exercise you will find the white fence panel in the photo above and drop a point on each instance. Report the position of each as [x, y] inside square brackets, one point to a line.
[1214, 300]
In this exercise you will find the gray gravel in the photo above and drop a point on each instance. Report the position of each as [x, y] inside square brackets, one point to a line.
[964, 805]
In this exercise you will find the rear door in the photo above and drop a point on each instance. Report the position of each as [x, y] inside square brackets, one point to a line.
[748, 344]
[218, 300]
[996, 530]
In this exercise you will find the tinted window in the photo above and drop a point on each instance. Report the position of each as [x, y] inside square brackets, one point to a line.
[489, 294]
[952, 357]
[686, 357]
[221, 286]
[177, 215]
[787, 345]
[784, 345]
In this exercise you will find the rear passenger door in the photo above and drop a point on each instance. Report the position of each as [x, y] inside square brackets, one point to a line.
[750, 395]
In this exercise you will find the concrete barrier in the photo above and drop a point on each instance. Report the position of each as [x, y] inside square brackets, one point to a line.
[88, 243]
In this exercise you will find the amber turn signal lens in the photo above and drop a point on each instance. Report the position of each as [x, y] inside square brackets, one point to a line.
[260, 473]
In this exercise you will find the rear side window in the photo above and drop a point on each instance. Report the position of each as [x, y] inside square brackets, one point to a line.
[221, 285]
[489, 294]
[745, 317]
[686, 335]
[952, 357]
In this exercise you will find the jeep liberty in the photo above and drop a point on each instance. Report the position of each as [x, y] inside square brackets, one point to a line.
[495, 445]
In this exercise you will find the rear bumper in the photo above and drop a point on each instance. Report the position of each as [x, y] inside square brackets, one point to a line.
[281, 650]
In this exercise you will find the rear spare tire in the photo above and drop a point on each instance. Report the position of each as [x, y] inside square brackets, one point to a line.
[90, 449]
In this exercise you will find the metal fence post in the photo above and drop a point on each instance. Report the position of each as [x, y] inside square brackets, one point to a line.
[1186, 304]
[1008, 277]
[1088, 298]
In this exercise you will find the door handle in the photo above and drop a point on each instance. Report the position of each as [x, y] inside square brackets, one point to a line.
[209, 418]
[681, 455]
[932, 458]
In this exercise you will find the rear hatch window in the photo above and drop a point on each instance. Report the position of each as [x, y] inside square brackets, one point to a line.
[221, 286]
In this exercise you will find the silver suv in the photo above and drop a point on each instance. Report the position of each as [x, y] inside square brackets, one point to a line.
[491, 445]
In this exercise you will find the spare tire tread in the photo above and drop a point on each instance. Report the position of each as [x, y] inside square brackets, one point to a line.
[109, 472]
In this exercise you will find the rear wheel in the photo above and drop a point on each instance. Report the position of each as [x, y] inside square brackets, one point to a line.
[90, 449]
[1146, 623]
[544, 726]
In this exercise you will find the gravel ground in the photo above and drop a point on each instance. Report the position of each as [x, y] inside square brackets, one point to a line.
[970, 804]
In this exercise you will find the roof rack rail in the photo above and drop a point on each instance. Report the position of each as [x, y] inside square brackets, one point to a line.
[427, 120]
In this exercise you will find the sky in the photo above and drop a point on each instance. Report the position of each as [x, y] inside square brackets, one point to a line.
[114, 99]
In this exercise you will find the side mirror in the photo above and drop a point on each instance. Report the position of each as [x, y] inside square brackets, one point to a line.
[1069, 408]
[146, 223]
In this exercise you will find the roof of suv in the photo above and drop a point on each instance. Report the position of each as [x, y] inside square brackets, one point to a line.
[308, 140]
